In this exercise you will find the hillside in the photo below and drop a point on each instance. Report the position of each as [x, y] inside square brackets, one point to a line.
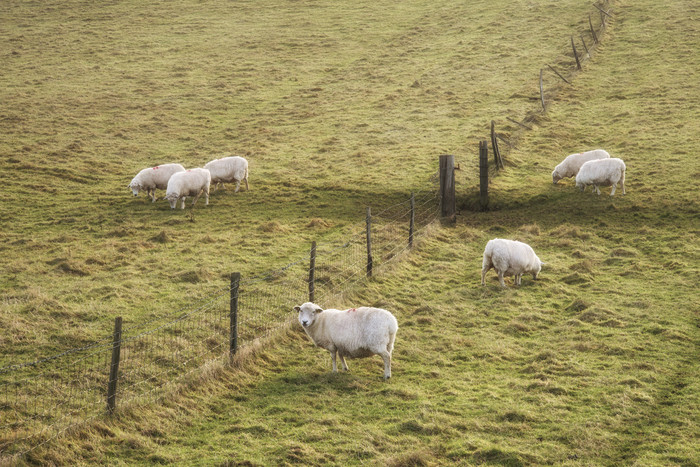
[595, 363]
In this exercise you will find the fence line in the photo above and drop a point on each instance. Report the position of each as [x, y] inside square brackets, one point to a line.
[44, 399]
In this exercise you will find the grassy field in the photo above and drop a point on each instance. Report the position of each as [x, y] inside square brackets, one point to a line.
[338, 106]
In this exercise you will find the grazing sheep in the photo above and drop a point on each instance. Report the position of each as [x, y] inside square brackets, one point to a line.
[570, 166]
[228, 169]
[603, 172]
[154, 177]
[354, 333]
[510, 258]
[192, 182]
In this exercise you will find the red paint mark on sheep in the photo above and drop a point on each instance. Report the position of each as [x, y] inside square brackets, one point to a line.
[154, 168]
[352, 309]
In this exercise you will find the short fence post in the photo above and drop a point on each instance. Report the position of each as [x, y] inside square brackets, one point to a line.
[573, 46]
[412, 222]
[369, 242]
[312, 273]
[483, 175]
[114, 368]
[585, 46]
[448, 201]
[233, 335]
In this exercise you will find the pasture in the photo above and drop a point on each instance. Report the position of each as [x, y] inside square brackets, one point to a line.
[338, 106]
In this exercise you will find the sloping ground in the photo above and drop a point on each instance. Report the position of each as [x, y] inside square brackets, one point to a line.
[596, 363]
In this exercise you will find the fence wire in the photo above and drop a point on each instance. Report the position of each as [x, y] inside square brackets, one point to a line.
[41, 400]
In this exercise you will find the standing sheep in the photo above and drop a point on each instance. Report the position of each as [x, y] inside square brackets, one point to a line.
[192, 182]
[604, 172]
[154, 177]
[354, 333]
[228, 169]
[570, 166]
[510, 258]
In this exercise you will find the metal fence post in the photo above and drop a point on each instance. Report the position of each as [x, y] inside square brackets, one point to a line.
[312, 273]
[114, 368]
[369, 242]
[233, 336]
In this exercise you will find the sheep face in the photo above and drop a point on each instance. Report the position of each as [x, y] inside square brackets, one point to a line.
[172, 199]
[556, 177]
[135, 188]
[308, 313]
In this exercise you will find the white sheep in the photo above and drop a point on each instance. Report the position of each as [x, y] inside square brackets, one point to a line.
[228, 169]
[192, 182]
[570, 166]
[154, 177]
[603, 172]
[353, 333]
[510, 258]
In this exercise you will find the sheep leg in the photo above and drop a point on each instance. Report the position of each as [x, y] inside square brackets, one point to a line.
[597, 190]
[246, 184]
[500, 279]
[342, 361]
[206, 197]
[152, 194]
[386, 356]
[196, 198]
[484, 269]
[518, 279]
[238, 185]
[612, 192]
[333, 352]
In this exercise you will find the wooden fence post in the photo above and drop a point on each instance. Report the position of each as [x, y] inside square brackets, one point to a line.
[483, 175]
[114, 368]
[312, 273]
[585, 46]
[233, 335]
[494, 145]
[573, 46]
[412, 222]
[448, 201]
[544, 108]
[559, 74]
[369, 242]
[590, 23]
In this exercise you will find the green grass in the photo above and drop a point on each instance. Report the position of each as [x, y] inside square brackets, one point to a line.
[339, 106]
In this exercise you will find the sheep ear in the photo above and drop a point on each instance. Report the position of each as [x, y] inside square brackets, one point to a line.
[297, 308]
[318, 310]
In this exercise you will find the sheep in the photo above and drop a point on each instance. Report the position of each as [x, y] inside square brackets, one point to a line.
[570, 166]
[192, 182]
[152, 178]
[510, 258]
[228, 169]
[353, 333]
[604, 172]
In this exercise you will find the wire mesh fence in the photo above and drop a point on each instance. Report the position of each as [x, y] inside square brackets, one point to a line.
[44, 399]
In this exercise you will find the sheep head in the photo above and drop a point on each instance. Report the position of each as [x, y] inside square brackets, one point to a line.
[308, 313]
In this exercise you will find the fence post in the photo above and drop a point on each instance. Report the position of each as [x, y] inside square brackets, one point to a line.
[369, 242]
[585, 47]
[233, 335]
[412, 222]
[312, 273]
[544, 108]
[494, 145]
[590, 23]
[114, 368]
[484, 175]
[573, 46]
[448, 201]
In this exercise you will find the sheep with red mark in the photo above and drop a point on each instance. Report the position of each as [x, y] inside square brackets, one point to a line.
[192, 182]
[353, 333]
[228, 170]
[570, 166]
[154, 177]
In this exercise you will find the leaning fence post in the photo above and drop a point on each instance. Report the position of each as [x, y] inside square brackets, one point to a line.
[573, 46]
[312, 273]
[483, 175]
[448, 202]
[590, 23]
[369, 242]
[114, 368]
[494, 145]
[233, 335]
[542, 92]
[585, 46]
[412, 221]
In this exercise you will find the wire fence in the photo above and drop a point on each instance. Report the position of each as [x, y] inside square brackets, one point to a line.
[44, 399]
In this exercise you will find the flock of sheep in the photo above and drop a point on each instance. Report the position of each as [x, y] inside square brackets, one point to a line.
[363, 332]
[179, 183]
